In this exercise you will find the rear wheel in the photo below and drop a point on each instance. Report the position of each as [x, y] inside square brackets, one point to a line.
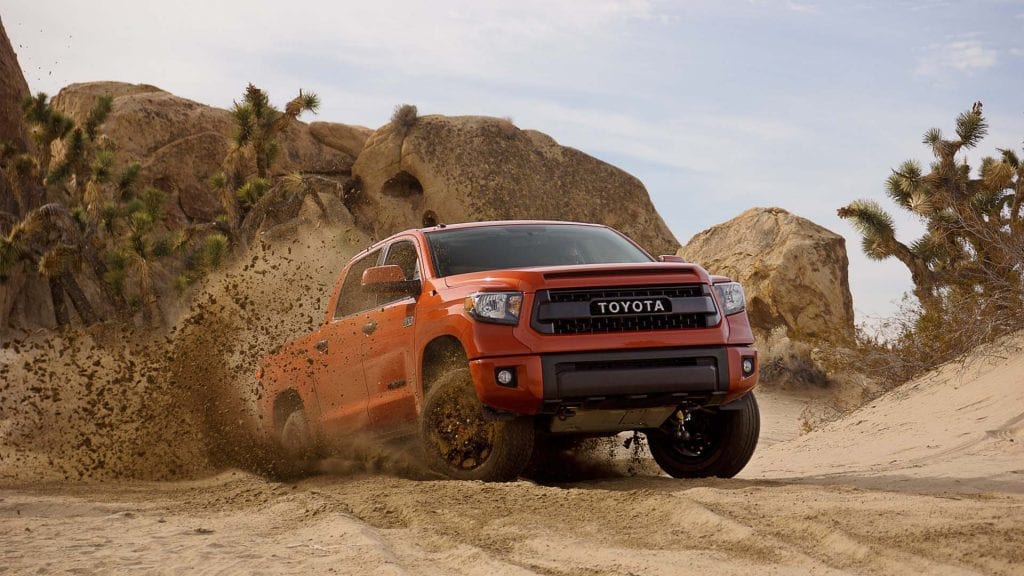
[461, 443]
[709, 442]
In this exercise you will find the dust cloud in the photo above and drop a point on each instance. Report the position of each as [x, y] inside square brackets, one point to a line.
[105, 402]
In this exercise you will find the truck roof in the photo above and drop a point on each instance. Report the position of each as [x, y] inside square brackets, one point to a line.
[461, 225]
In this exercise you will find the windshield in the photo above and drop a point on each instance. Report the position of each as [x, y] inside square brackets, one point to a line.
[466, 250]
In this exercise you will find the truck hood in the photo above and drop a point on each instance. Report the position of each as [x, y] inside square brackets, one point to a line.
[553, 277]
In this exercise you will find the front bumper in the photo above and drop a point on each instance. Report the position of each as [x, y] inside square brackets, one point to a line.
[615, 380]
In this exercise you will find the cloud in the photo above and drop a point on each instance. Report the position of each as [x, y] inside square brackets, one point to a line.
[697, 141]
[962, 56]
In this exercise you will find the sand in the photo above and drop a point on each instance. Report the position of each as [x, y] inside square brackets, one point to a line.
[928, 479]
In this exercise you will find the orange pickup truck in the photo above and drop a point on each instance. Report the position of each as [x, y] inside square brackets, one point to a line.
[491, 342]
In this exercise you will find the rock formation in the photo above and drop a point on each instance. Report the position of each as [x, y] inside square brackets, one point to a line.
[13, 89]
[466, 168]
[794, 272]
[444, 169]
[181, 143]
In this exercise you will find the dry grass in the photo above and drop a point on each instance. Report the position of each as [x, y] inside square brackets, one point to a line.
[913, 342]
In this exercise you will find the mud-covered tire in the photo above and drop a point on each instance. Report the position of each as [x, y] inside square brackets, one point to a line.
[296, 450]
[732, 434]
[460, 443]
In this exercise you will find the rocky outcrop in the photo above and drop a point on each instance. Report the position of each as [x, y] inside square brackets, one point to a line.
[13, 89]
[467, 168]
[442, 169]
[344, 137]
[794, 272]
[181, 143]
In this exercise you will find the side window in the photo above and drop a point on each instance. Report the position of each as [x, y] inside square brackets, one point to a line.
[403, 255]
[353, 298]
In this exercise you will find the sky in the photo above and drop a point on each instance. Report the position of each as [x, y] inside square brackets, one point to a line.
[716, 106]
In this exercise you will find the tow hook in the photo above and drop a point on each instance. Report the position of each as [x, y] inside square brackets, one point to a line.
[565, 412]
[679, 420]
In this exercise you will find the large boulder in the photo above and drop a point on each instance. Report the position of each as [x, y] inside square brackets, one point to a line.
[345, 137]
[468, 168]
[181, 143]
[794, 272]
[13, 89]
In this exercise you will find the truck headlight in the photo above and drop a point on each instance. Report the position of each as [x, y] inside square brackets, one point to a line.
[497, 307]
[730, 295]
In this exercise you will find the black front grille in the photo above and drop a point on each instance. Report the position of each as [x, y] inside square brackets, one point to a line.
[700, 313]
[637, 323]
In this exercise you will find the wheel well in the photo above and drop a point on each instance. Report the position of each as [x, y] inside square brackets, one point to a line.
[285, 403]
[441, 354]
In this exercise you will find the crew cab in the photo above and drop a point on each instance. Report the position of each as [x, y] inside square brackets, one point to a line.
[491, 342]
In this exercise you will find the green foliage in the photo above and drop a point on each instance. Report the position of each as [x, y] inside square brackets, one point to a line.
[153, 202]
[98, 115]
[182, 282]
[126, 181]
[217, 180]
[101, 164]
[251, 191]
[162, 247]
[117, 269]
[46, 123]
[214, 248]
[971, 127]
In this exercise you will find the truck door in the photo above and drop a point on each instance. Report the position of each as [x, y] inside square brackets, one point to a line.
[389, 353]
[340, 383]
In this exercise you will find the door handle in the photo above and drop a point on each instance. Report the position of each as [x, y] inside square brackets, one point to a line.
[321, 346]
[369, 327]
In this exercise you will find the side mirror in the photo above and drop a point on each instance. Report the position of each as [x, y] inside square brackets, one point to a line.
[672, 258]
[390, 280]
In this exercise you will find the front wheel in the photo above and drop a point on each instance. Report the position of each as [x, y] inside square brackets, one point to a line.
[709, 442]
[460, 443]
[296, 450]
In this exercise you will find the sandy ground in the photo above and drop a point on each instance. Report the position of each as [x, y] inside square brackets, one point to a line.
[928, 479]
[113, 460]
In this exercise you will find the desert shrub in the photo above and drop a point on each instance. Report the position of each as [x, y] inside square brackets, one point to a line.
[915, 340]
[786, 361]
[404, 118]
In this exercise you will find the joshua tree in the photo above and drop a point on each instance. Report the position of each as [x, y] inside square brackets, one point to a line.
[973, 243]
[49, 238]
[46, 126]
[257, 123]
[257, 126]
